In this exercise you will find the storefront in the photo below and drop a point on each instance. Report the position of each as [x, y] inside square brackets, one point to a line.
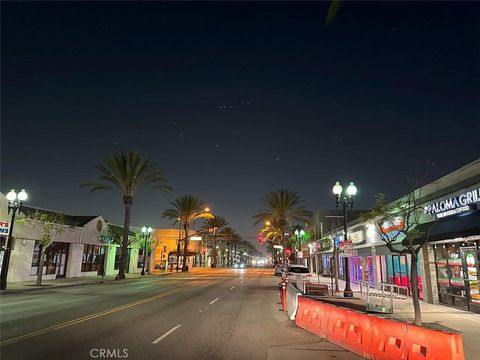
[454, 240]
[457, 269]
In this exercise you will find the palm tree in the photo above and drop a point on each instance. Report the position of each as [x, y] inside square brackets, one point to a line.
[186, 209]
[128, 172]
[214, 225]
[282, 207]
[230, 238]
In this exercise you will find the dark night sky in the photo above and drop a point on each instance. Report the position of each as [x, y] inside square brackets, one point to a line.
[236, 99]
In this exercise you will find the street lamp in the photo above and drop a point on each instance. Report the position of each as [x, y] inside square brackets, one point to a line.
[146, 234]
[345, 200]
[15, 202]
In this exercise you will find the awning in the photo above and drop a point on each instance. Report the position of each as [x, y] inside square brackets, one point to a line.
[450, 228]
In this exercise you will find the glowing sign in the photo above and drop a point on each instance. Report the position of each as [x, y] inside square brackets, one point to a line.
[454, 205]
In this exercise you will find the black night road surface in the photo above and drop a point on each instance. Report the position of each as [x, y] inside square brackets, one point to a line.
[208, 314]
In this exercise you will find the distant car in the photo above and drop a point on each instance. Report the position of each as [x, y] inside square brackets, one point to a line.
[239, 265]
[279, 269]
[296, 272]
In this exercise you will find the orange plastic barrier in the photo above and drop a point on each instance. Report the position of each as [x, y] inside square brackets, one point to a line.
[284, 296]
[428, 344]
[388, 339]
[376, 338]
[359, 333]
[312, 316]
[336, 330]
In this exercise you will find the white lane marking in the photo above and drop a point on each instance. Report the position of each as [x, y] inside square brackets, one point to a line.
[211, 302]
[233, 287]
[166, 334]
[199, 310]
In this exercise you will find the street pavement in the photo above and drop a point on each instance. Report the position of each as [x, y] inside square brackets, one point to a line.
[207, 314]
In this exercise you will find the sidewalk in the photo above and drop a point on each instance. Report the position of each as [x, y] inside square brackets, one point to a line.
[439, 317]
[27, 286]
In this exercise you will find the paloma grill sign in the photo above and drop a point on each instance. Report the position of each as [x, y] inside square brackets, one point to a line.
[454, 205]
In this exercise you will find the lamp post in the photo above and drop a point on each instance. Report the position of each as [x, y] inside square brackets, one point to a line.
[146, 234]
[15, 202]
[345, 200]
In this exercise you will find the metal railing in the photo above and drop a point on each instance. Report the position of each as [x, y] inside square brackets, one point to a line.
[383, 291]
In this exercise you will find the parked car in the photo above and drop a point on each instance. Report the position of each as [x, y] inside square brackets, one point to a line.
[295, 272]
[279, 269]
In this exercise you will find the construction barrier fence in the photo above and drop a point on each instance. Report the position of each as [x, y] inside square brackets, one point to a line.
[376, 338]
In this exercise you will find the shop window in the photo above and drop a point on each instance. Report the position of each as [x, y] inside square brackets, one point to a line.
[92, 256]
[55, 259]
[117, 259]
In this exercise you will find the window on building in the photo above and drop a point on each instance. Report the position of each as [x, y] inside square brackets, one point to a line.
[140, 259]
[55, 259]
[91, 257]
[117, 259]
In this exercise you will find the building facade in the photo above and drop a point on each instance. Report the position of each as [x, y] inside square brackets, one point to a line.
[448, 266]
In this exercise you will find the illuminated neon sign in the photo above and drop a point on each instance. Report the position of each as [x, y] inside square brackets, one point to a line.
[454, 205]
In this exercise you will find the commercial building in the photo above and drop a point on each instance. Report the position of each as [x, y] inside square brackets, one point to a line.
[448, 267]
[82, 246]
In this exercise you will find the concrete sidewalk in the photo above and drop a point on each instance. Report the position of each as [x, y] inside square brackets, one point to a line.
[27, 286]
[439, 317]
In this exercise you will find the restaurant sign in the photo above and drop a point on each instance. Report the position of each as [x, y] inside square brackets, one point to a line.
[4, 227]
[454, 205]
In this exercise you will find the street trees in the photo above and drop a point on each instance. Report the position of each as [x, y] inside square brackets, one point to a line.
[282, 208]
[231, 239]
[128, 173]
[398, 226]
[186, 209]
[213, 227]
[50, 225]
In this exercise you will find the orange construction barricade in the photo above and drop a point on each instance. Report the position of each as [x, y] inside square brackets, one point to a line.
[359, 333]
[336, 329]
[388, 339]
[429, 344]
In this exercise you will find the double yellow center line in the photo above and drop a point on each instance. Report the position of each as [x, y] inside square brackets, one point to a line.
[94, 316]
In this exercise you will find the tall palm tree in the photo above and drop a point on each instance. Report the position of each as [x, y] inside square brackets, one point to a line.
[186, 209]
[214, 225]
[282, 207]
[231, 238]
[128, 173]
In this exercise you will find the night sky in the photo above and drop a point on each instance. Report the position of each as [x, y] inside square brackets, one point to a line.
[236, 99]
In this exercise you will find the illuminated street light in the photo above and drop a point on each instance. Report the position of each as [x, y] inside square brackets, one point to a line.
[345, 201]
[146, 235]
[15, 202]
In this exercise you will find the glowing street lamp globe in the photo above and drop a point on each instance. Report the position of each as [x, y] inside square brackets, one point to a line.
[351, 189]
[337, 188]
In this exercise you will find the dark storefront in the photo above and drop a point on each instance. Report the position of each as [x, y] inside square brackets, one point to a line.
[55, 259]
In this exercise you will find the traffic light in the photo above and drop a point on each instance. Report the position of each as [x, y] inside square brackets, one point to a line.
[260, 238]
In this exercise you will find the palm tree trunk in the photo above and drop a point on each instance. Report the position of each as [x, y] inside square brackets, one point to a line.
[414, 284]
[127, 201]
[40, 266]
[214, 252]
[185, 247]
[284, 254]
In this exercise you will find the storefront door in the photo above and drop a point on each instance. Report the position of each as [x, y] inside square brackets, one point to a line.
[469, 256]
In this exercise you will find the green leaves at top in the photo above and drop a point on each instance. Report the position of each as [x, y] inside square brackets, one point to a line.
[129, 172]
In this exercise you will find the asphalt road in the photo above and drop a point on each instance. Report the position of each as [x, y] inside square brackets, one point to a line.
[211, 314]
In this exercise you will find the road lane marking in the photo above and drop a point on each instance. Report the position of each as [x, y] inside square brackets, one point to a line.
[233, 287]
[199, 310]
[166, 334]
[93, 316]
[211, 302]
